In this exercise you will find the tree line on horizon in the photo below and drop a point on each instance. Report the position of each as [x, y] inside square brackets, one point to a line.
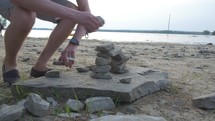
[3, 24]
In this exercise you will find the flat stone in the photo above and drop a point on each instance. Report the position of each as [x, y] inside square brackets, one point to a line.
[129, 118]
[105, 47]
[73, 84]
[205, 101]
[102, 69]
[102, 55]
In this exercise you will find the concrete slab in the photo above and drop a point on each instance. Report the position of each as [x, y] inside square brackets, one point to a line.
[81, 85]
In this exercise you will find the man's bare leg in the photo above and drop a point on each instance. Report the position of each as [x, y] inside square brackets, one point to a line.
[57, 37]
[21, 23]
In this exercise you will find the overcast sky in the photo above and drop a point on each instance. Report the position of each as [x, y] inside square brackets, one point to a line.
[186, 15]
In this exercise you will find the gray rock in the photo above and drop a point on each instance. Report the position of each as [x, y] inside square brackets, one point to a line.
[102, 61]
[126, 80]
[123, 60]
[205, 101]
[121, 57]
[119, 69]
[129, 118]
[82, 69]
[11, 113]
[101, 75]
[3, 100]
[75, 105]
[162, 83]
[59, 63]
[70, 115]
[102, 69]
[52, 101]
[105, 47]
[95, 104]
[113, 52]
[102, 55]
[36, 105]
[53, 74]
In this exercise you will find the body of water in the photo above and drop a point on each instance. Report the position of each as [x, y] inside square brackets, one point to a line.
[138, 37]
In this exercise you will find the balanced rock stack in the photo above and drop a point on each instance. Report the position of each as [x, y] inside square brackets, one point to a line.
[118, 63]
[102, 68]
[109, 58]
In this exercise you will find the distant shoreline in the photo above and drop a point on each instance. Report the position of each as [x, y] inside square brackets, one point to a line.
[141, 31]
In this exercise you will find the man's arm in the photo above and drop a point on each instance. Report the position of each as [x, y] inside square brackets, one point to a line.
[50, 8]
[83, 5]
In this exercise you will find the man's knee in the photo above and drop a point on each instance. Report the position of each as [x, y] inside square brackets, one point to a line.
[24, 18]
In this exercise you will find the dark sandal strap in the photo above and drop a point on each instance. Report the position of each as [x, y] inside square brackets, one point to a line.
[35, 73]
[10, 76]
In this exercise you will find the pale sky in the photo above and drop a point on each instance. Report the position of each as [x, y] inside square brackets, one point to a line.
[186, 15]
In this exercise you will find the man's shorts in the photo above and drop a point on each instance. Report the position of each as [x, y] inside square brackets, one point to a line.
[6, 5]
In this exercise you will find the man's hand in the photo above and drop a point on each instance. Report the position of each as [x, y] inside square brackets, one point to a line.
[89, 21]
[68, 55]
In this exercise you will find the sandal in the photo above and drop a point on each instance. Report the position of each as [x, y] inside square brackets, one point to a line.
[35, 73]
[11, 76]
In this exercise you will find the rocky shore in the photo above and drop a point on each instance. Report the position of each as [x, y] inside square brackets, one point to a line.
[190, 69]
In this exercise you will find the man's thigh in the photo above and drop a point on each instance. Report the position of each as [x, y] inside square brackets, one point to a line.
[5, 6]
[52, 18]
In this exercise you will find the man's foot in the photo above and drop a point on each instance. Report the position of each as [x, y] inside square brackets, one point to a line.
[35, 73]
[11, 76]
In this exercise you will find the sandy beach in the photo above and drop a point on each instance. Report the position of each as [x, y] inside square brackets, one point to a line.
[190, 68]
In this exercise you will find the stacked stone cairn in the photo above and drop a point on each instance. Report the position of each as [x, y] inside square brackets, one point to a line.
[109, 59]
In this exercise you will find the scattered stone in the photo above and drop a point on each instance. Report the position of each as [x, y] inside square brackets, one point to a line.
[36, 105]
[11, 113]
[95, 104]
[129, 118]
[59, 63]
[75, 105]
[25, 59]
[126, 80]
[53, 74]
[205, 101]
[2, 99]
[52, 101]
[82, 69]
[70, 115]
